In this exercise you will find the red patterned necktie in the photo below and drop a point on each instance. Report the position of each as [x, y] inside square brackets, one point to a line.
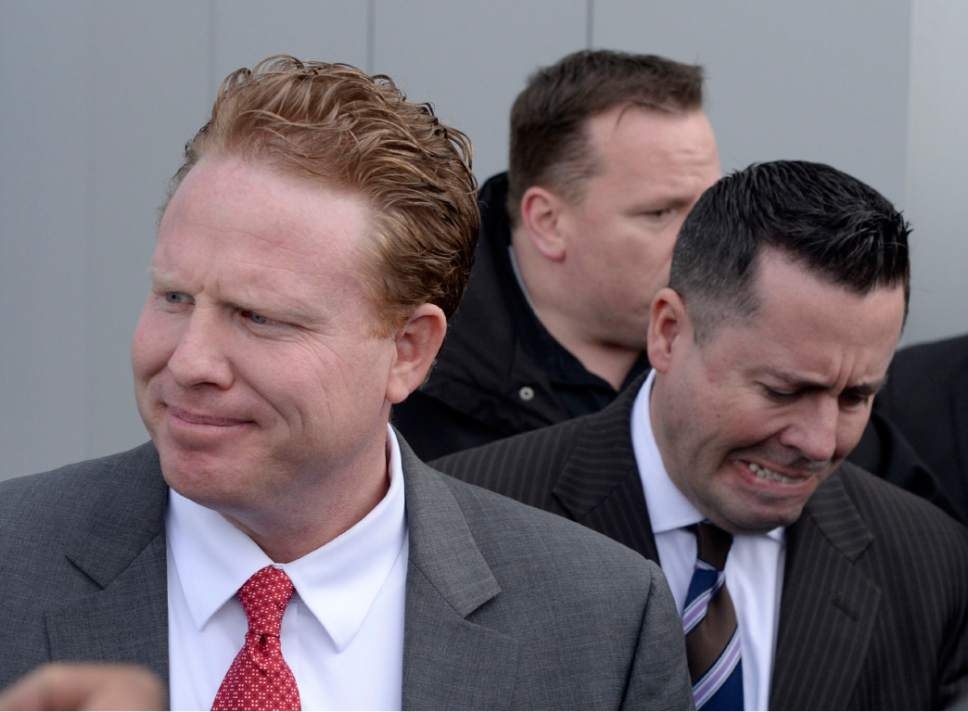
[259, 678]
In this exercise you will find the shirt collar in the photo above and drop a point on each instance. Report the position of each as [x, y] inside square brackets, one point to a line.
[669, 509]
[337, 582]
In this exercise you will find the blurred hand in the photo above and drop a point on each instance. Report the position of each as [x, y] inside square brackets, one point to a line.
[95, 686]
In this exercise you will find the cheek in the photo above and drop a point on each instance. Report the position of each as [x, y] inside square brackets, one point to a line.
[660, 249]
[151, 345]
[736, 419]
[319, 384]
[647, 255]
[849, 432]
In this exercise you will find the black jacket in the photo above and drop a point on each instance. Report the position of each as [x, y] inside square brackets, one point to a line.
[499, 372]
[924, 403]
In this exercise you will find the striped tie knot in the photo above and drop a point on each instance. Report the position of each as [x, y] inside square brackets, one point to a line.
[713, 544]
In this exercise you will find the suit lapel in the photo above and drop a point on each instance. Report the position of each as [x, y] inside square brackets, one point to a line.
[123, 552]
[828, 608]
[599, 485]
[449, 662]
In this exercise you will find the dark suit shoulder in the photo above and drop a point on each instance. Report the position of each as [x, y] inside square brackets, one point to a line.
[908, 527]
[523, 466]
[876, 498]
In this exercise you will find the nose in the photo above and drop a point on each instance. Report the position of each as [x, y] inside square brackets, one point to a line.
[200, 356]
[813, 430]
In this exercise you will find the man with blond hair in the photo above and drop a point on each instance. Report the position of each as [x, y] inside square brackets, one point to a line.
[276, 545]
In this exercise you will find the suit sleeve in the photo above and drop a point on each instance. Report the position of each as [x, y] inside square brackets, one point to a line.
[659, 676]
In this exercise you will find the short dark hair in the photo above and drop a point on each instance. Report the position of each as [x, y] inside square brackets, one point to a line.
[549, 144]
[836, 226]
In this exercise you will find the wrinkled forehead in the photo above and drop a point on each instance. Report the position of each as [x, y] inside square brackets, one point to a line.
[259, 219]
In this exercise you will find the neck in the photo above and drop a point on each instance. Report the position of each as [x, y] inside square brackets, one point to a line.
[608, 360]
[303, 521]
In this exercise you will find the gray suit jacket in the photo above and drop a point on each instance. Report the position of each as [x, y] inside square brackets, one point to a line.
[506, 607]
[874, 609]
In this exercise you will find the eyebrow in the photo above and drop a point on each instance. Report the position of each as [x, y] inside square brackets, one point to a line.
[160, 275]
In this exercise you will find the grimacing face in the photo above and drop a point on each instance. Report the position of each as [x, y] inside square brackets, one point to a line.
[653, 168]
[258, 370]
[752, 420]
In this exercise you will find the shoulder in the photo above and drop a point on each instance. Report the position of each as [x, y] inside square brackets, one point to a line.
[498, 521]
[906, 526]
[562, 592]
[57, 501]
[519, 466]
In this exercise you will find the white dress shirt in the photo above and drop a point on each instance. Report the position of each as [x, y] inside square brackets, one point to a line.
[342, 633]
[754, 567]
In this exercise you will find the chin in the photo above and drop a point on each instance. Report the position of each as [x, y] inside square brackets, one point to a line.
[196, 475]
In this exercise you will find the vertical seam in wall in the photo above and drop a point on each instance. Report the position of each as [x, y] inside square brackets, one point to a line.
[589, 23]
[915, 303]
[90, 244]
[212, 36]
[370, 34]
[909, 118]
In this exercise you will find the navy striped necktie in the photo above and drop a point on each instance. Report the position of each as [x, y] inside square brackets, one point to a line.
[709, 621]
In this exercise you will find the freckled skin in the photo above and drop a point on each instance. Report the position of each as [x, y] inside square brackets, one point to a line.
[258, 371]
[787, 389]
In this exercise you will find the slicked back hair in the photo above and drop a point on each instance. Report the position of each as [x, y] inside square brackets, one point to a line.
[839, 228]
[549, 141]
[335, 125]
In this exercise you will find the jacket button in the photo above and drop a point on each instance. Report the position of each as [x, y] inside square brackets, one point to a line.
[526, 393]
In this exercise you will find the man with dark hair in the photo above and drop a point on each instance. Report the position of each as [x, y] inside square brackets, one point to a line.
[804, 582]
[277, 545]
[608, 152]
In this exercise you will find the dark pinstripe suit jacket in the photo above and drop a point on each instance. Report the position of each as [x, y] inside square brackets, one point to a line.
[874, 610]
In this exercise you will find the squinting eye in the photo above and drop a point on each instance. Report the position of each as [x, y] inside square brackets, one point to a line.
[177, 298]
[658, 214]
[255, 317]
[779, 396]
[854, 400]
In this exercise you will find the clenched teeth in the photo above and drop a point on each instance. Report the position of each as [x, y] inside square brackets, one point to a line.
[763, 473]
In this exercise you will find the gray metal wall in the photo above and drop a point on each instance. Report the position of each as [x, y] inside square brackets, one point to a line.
[98, 96]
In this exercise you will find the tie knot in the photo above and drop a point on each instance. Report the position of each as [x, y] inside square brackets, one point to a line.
[713, 544]
[264, 599]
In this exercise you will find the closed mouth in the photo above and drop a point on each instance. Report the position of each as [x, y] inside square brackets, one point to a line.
[196, 418]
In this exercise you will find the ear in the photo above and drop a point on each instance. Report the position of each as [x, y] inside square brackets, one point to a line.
[668, 321]
[541, 213]
[417, 343]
